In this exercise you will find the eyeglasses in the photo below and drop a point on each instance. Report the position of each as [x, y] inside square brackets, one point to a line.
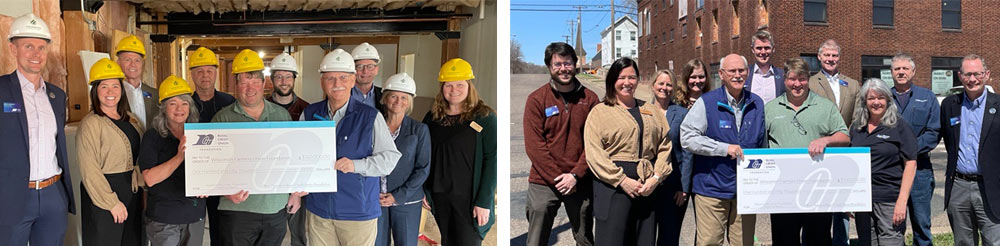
[366, 67]
[562, 64]
[795, 122]
[978, 75]
[334, 78]
[737, 71]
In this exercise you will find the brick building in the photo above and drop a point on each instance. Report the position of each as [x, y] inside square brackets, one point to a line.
[936, 33]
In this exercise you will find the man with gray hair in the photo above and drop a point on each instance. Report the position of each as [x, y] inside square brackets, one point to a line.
[770, 81]
[972, 189]
[831, 84]
[719, 125]
[919, 107]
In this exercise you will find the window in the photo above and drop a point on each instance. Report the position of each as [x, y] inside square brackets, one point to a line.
[882, 12]
[671, 2]
[632, 35]
[634, 54]
[700, 4]
[642, 17]
[951, 14]
[944, 73]
[762, 14]
[618, 35]
[618, 53]
[714, 73]
[715, 26]
[697, 32]
[736, 18]
[684, 30]
[671, 35]
[814, 11]
[876, 67]
[813, 62]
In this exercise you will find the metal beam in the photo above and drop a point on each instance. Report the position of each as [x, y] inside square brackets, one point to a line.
[308, 29]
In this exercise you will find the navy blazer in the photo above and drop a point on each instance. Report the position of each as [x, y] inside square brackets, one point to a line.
[14, 160]
[680, 158]
[406, 181]
[779, 79]
[923, 113]
[989, 184]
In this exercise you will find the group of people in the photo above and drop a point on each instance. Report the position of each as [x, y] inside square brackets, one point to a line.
[130, 149]
[626, 169]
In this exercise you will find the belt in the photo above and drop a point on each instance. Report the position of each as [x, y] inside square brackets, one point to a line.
[967, 177]
[41, 184]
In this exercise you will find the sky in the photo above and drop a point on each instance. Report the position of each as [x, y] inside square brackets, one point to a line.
[536, 29]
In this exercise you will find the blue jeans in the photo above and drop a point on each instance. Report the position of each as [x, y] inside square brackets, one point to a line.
[841, 229]
[919, 206]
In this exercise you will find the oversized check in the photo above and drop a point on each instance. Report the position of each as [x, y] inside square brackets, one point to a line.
[261, 157]
[774, 181]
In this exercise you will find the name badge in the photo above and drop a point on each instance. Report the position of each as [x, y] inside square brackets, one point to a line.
[954, 121]
[725, 124]
[476, 126]
[843, 83]
[9, 107]
[645, 112]
[551, 111]
[883, 137]
[147, 94]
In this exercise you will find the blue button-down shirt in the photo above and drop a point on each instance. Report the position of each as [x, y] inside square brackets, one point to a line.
[368, 99]
[971, 125]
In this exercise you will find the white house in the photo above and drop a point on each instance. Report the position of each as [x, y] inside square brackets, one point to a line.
[626, 35]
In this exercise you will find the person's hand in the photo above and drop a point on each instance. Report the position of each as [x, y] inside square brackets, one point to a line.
[181, 148]
[202, 196]
[631, 187]
[817, 146]
[239, 196]
[386, 199]
[566, 183]
[119, 213]
[680, 198]
[344, 165]
[647, 187]
[899, 214]
[426, 204]
[294, 203]
[482, 215]
[735, 152]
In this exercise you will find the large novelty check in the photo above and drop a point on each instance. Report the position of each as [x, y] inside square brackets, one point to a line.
[773, 181]
[261, 157]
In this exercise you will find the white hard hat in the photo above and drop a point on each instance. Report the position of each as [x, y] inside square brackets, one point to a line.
[284, 62]
[29, 26]
[400, 82]
[365, 51]
[337, 60]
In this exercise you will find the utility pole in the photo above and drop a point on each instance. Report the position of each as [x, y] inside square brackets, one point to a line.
[614, 55]
[567, 38]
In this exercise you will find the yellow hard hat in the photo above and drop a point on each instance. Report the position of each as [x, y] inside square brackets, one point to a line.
[202, 57]
[455, 70]
[105, 69]
[131, 44]
[247, 61]
[173, 86]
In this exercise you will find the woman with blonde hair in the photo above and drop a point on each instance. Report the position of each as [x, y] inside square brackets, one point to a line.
[671, 198]
[463, 175]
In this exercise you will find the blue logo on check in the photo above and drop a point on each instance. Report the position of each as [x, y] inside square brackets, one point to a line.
[755, 164]
[205, 139]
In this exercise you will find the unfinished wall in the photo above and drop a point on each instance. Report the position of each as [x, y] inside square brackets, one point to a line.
[479, 47]
[47, 10]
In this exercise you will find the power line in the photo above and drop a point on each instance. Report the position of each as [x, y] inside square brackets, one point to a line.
[559, 10]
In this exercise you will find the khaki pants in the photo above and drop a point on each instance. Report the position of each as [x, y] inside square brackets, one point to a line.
[325, 232]
[717, 218]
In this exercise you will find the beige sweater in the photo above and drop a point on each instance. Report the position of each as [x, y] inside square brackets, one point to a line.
[102, 148]
[611, 134]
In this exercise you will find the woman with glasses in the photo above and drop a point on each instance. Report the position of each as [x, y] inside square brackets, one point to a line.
[629, 153]
[879, 126]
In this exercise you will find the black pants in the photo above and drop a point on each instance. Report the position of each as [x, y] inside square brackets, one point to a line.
[245, 228]
[453, 214]
[814, 229]
[214, 236]
[669, 216]
[622, 220]
[98, 225]
[543, 206]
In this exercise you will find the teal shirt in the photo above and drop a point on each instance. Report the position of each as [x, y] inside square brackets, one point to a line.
[817, 117]
[259, 203]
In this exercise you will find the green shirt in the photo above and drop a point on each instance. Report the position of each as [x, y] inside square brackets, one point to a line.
[817, 117]
[259, 203]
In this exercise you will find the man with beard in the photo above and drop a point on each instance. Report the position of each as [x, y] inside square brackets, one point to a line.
[366, 63]
[770, 83]
[142, 99]
[283, 74]
[842, 90]
[800, 119]
[720, 124]
[554, 116]
[919, 107]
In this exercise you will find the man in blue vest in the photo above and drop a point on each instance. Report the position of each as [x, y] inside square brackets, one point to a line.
[36, 190]
[365, 152]
[718, 127]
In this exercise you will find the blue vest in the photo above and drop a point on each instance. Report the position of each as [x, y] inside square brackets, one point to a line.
[715, 176]
[357, 196]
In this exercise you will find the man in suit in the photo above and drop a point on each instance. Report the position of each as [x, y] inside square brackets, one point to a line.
[972, 183]
[842, 90]
[143, 100]
[919, 107]
[770, 81]
[35, 186]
